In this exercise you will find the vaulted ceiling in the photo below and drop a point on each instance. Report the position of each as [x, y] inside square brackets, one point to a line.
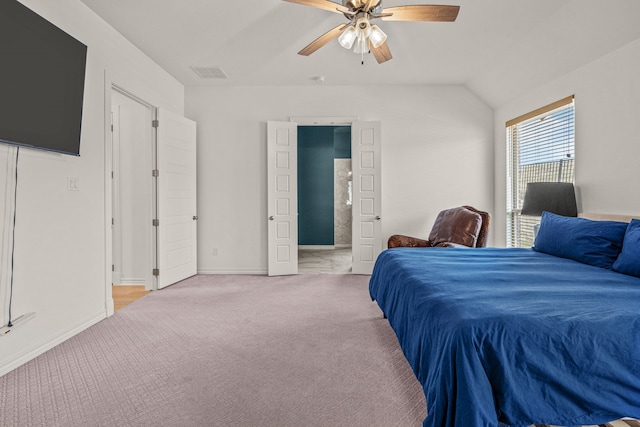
[497, 48]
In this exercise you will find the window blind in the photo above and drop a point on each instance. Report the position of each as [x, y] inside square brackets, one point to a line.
[540, 148]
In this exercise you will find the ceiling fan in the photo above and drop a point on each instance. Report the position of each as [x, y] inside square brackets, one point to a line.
[360, 32]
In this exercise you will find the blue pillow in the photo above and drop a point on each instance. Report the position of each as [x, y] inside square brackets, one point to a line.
[628, 261]
[592, 242]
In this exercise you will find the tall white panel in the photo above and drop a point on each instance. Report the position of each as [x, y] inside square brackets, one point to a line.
[177, 215]
[367, 230]
[282, 197]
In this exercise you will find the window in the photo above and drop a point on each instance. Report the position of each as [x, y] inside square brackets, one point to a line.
[540, 148]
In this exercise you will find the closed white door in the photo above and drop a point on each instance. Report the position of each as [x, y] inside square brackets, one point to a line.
[282, 197]
[176, 198]
[367, 216]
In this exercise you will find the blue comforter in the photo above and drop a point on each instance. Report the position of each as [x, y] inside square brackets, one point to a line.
[513, 336]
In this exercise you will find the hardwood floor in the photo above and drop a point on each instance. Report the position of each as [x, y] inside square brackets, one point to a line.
[126, 294]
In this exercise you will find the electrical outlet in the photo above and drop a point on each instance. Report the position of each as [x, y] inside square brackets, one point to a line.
[214, 252]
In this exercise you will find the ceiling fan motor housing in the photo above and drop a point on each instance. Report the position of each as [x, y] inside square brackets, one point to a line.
[362, 6]
[363, 27]
[356, 4]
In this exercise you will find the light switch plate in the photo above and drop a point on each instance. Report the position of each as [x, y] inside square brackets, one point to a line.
[73, 184]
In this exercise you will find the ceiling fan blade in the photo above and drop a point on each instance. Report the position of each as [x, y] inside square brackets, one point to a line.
[322, 40]
[321, 4]
[382, 53]
[422, 12]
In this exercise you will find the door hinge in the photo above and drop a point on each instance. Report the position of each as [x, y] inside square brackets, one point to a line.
[155, 173]
[155, 123]
[113, 221]
[113, 267]
[155, 222]
[156, 272]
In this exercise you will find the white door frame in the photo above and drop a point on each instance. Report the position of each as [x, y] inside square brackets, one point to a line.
[109, 85]
[108, 197]
[325, 121]
[332, 121]
[150, 193]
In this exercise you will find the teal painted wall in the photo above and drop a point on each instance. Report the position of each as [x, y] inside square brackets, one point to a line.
[342, 142]
[317, 148]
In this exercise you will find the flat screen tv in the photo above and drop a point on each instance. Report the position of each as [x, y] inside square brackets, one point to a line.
[42, 72]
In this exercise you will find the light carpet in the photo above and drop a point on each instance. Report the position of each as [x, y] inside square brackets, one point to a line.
[307, 350]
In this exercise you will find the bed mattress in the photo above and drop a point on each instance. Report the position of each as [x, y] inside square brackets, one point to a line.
[512, 336]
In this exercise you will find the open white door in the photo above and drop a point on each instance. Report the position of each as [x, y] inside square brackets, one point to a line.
[367, 230]
[282, 197]
[176, 198]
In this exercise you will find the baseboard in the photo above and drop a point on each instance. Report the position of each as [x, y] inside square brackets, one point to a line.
[38, 349]
[124, 281]
[239, 271]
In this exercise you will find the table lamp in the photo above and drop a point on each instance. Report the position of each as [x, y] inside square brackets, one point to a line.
[555, 197]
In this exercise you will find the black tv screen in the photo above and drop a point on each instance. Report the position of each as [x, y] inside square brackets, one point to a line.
[42, 72]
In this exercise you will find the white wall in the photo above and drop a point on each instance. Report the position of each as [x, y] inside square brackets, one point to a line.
[607, 120]
[437, 152]
[60, 239]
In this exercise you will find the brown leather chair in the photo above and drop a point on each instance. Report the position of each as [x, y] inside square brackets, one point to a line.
[463, 226]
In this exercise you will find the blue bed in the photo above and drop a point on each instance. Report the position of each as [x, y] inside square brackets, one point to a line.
[513, 336]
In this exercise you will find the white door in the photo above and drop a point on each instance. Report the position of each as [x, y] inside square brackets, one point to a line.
[367, 230]
[176, 198]
[282, 196]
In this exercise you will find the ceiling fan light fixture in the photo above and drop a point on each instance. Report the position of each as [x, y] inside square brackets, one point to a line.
[377, 36]
[361, 45]
[347, 37]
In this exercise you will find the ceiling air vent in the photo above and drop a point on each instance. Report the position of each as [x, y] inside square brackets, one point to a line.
[210, 72]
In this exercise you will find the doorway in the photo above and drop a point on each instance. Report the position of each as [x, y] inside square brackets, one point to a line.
[150, 194]
[132, 190]
[282, 193]
[324, 199]
[153, 194]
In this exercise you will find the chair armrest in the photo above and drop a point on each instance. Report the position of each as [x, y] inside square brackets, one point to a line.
[400, 241]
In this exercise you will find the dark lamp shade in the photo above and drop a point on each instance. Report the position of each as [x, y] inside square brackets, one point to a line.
[555, 197]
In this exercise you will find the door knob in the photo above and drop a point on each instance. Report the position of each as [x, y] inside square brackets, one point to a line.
[195, 217]
[378, 217]
[271, 218]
